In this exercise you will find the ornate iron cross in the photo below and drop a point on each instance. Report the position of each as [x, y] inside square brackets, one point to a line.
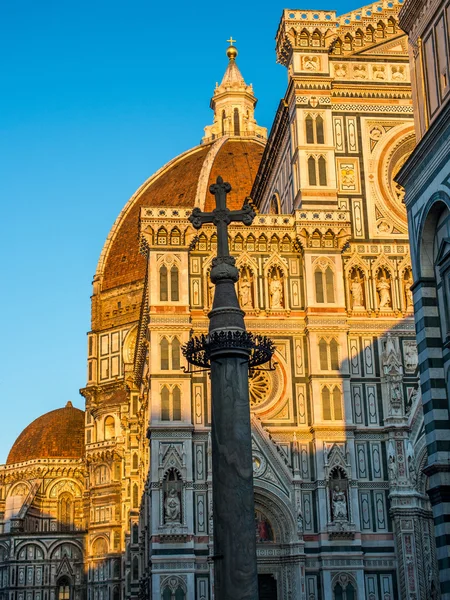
[222, 216]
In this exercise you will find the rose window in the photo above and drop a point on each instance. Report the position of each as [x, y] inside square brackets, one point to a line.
[259, 387]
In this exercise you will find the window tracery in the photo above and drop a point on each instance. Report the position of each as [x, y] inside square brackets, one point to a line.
[314, 128]
[169, 280]
[331, 403]
[324, 283]
[170, 353]
[171, 403]
[66, 511]
[317, 170]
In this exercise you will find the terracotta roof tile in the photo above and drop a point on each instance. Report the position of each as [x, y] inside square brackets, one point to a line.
[237, 162]
[57, 434]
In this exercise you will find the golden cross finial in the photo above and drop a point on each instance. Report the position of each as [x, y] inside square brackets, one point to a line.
[231, 40]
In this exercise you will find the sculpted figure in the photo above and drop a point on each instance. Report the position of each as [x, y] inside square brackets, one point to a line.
[384, 292]
[356, 290]
[340, 71]
[172, 507]
[245, 293]
[339, 503]
[276, 293]
[408, 292]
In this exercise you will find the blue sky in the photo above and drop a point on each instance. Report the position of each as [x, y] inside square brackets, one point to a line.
[94, 97]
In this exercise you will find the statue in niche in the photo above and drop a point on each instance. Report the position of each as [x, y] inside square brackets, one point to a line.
[384, 291]
[211, 288]
[276, 289]
[339, 504]
[396, 399]
[407, 282]
[410, 462]
[410, 353]
[172, 507]
[245, 290]
[299, 521]
[356, 290]
[392, 465]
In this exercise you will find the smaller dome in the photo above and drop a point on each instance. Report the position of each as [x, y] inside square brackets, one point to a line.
[57, 434]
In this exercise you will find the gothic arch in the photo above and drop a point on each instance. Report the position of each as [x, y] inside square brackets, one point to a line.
[129, 345]
[279, 514]
[173, 582]
[35, 544]
[426, 232]
[344, 580]
[21, 488]
[99, 546]
[61, 485]
[58, 544]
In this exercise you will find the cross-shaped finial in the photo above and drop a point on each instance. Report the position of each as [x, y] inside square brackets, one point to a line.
[222, 216]
[231, 40]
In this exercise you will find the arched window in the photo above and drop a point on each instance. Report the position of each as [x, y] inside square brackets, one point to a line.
[309, 124]
[332, 403]
[163, 284]
[135, 501]
[116, 593]
[135, 461]
[171, 404]
[318, 280]
[274, 206]
[101, 475]
[175, 354]
[174, 293]
[344, 590]
[319, 130]
[63, 588]
[165, 404]
[328, 355]
[135, 534]
[99, 547]
[169, 284]
[65, 511]
[176, 401]
[323, 355]
[164, 346]
[326, 407]
[322, 171]
[237, 126]
[109, 428]
[334, 355]
[135, 569]
[314, 131]
[223, 122]
[317, 171]
[329, 283]
[337, 404]
[312, 171]
[173, 592]
[324, 283]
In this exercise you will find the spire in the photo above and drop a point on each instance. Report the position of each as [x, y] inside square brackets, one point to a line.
[233, 104]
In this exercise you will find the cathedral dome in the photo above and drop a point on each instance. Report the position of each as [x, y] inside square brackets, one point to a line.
[183, 182]
[57, 434]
